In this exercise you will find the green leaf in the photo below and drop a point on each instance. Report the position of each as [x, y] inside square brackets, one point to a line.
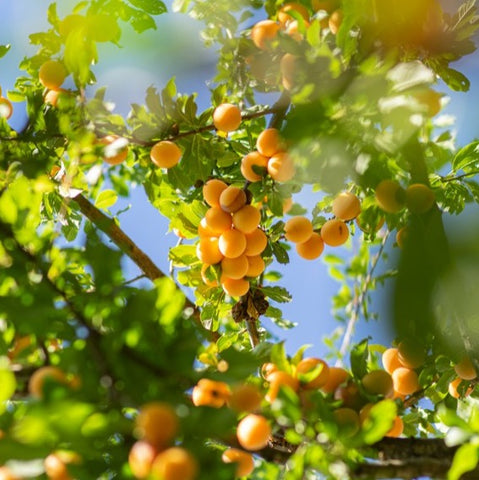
[4, 49]
[359, 359]
[8, 385]
[106, 199]
[153, 7]
[379, 421]
[466, 156]
[279, 357]
[465, 460]
[277, 294]
[454, 79]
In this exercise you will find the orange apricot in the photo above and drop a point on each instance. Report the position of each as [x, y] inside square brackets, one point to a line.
[364, 412]
[411, 354]
[346, 206]
[174, 463]
[453, 388]
[19, 344]
[397, 428]
[336, 377]
[208, 250]
[287, 204]
[205, 231]
[349, 394]
[243, 460]
[405, 381]
[116, 149]
[234, 268]
[52, 96]
[281, 167]
[227, 117]
[232, 243]
[311, 248]
[232, 199]
[298, 229]
[212, 190]
[419, 198]
[378, 382]
[347, 420]
[335, 20]
[402, 236]
[210, 393]
[251, 162]
[253, 432]
[269, 142]
[235, 288]
[42, 375]
[293, 30]
[165, 154]
[246, 219]
[156, 424]
[245, 398]
[311, 363]
[7, 474]
[256, 242]
[263, 33]
[288, 69]
[390, 359]
[217, 220]
[334, 232]
[6, 108]
[284, 15]
[267, 369]
[256, 266]
[277, 380]
[390, 196]
[52, 74]
[56, 467]
[465, 369]
[141, 457]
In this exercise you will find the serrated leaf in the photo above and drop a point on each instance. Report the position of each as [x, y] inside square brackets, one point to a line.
[280, 253]
[277, 294]
[106, 199]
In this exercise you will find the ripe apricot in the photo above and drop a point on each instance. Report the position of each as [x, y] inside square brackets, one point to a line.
[245, 398]
[42, 375]
[212, 190]
[287, 204]
[208, 250]
[232, 199]
[390, 196]
[281, 167]
[156, 424]
[227, 117]
[6, 108]
[246, 219]
[244, 461]
[364, 412]
[349, 394]
[419, 198]
[336, 377]
[52, 96]
[251, 162]
[263, 33]
[269, 142]
[234, 268]
[7, 474]
[204, 230]
[56, 468]
[217, 220]
[347, 420]
[411, 354]
[116, 149]
[288, 69]
[232, 243]
[298, 229]
[256, 266]
[52, 74]
[401, 236]
[346, 206]
[206, 280]
[335, 20]
[256, 242]
[165, 154]
[267, 369]
[253, 432]
[141, 458]
[453, 389]
[311, 248]
[311, 363]
[210, 393]
[277, 380]
[235, 288]
[369, 225]
[397, 428]
[174, 463]
[465, 369]
[334, 232]
[378, 382]
[284, 15]
[293, 30]
[405, 381]
[390, 359]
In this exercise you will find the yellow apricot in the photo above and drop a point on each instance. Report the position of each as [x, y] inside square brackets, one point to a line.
[52, 96]
[174, 463]
[208, 250]
[204, 230]
[308, 364]
[453, 388]
[232, 243]
[263, 33]
[156, 424]
[243, 460]
[298, 229]
[277, 380]
[56, 468]
[284, 15]
[335, 20]
[245, 398]
[347, 420]
[256, 242]
[411, 354]
[140, 458]
[378, 382]
[405, 381]
[267, 369]
[256, 266]
[401, 236]
[7, 474]
[293, 30]
[288, 69]
[287, 204]
[253, 432]
[234, 268]
[246, 219]
[281, 167]
[235, 288]
[227, 117]
[165, 154]
[364, 412]
[42, 375]
[217, 220]
[334, 232]
[346, 206]
[6, 108]
[311, 248]
[390, 359]
[116, 149]
[336, 377]
[269, 142]
[465, 369]
[212, 190]
[397, 428]
[232, 199]
[52, 74]
[390, 196]
[210, 393]
[431, 99]
[248, 162]
[419, 198]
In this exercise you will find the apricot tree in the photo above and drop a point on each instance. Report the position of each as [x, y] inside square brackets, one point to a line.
[174, 375]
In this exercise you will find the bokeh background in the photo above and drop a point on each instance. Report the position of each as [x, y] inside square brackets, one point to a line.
[175, 50]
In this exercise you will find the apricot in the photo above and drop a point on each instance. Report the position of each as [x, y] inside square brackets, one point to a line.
[378, 382]
[232, 199]
[401, 236]
[346, 206]
[165, 154]
[19, 344]
[256, 266]
[248, 164]
[212, 190]
[287, 204]
[52, 74]
[390, 359]
[453, 389]
[210, 393]
[419, 198]
[336, 377]
[52, 96]
[208, 250]
[347, 420]
[284, 16]
[141, 458]
[56, 468]
[269, 142]
[256, 242]
[245, 398]
[42, 375]
[246, 219]
[235, 268]
[411, 354]
[397, 428]
[311, 248]
[7, 474]
[267, 369]
[390, 196]
[364, 412]
[6, 108]
[298, 229]
[335, 20]
[465, 369]
[311, 363]
[116, 149]
[405, 381]
[227, 117]
[235, 288]
[369, 225]
[334, 232]
[175, 463]
[217, 220]
[288, 69]
[293, 30]
[281, 167]
[430, 99]
[244, 461]
[253, 432]
[232, 243]
[349, 394]
[205, 231]
[277, 380]
[156, 424]
[263, 33]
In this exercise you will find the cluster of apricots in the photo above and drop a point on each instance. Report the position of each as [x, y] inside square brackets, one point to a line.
[230, 238]
[6, 108]
[152, 455]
